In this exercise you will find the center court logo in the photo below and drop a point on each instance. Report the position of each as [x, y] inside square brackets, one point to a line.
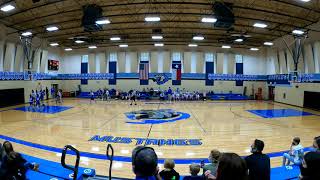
[159, 116]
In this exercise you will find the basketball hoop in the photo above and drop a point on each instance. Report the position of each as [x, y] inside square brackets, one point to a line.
[294, 77]
[29, 75]
[29, 49]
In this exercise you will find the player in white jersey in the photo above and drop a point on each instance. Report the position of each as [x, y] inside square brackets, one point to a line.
[133, 97]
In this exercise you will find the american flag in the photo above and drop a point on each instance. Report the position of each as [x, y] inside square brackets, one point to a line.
[144, 71]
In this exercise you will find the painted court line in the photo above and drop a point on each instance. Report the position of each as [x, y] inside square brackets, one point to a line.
[118, 158]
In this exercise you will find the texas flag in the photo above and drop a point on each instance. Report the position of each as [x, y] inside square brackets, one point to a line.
[176, 72]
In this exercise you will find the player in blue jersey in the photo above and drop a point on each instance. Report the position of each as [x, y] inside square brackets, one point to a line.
[38, 100]
[31, 100]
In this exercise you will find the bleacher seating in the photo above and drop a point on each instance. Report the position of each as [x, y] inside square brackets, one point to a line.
[228, 97]
[86, 94]
[50, 169]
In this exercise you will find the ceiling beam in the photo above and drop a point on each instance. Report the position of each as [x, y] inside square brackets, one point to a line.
[184, 14]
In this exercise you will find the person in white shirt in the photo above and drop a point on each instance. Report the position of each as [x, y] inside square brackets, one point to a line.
[133, 97]
[107, 95]
[295, 155]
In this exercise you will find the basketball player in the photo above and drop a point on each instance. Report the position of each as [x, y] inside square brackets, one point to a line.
[169, 93]
[133, 97]
[204, 95]
[38, 100]
[91, 96]
[59, 97]
[107, 95]
[31, 100]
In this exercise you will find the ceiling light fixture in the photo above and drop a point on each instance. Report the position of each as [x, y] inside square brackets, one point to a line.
[192, 45]
[54, 44]
[123, 45]
[7, 7]
[260, 25]
[198, 38]
[115, 38]
[226, 47]
[28, 33]
[68, 49]
[238, 40]
[157, 37]
[159, 44]
[79, 41]
[209, 20]
[52, 28]
[152, 19]
[254, 49]
[92, 47]
[103, 21]
[268, 43]
[298, 32]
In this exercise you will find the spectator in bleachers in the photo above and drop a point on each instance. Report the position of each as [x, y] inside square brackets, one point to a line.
[17, 166]
[145, 163]
[311, 163]
[231, 167]
[13, 165]
[316, 144]
[213, 159]
[194, 171]
[169, 173]
[295, 154]
[311, 166]
[258, 163]
[1, 170]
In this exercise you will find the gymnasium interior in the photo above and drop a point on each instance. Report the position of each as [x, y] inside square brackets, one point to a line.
[85, 82]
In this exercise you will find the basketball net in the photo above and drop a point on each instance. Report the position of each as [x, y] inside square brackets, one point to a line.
[295, 49]
[29, 49]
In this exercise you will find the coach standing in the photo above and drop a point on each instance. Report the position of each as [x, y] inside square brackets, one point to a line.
[47, 93]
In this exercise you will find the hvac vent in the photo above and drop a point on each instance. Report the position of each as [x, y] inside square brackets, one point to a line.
[91, 13]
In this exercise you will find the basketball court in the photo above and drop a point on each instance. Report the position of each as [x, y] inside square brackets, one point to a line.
[205, 75]
[227, 126]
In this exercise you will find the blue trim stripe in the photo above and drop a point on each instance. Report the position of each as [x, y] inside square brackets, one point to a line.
[118, 158]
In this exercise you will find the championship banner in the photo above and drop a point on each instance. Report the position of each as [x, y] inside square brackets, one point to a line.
[176, 73]
[113, 70]
[209, 70]
[239, 70]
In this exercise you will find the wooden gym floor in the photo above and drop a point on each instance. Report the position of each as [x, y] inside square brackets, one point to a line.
[226, 126]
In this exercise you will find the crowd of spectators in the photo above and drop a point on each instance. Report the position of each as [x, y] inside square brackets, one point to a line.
[230, 166]
[146, 93]
[221, 166]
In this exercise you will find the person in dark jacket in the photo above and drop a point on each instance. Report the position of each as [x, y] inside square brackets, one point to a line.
[231, 167]
[258, 163]
[16, 166]
[47, 93]
[194, 171]
[311, 166]
[13, 165]
[145, 163]
[311, 162]
[169, 173]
